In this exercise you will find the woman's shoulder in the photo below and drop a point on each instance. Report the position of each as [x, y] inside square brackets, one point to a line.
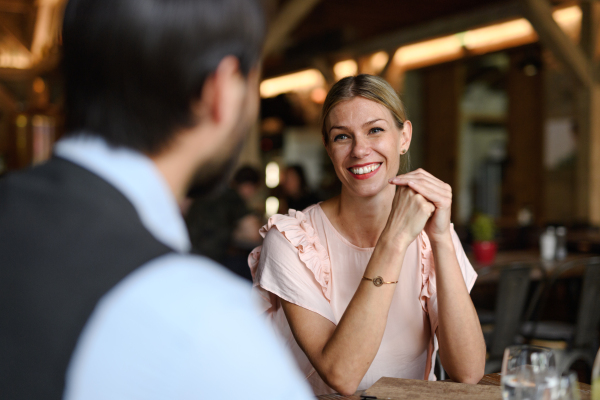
[297, 227]
[294, 221]
[294, 232]
[311, 211]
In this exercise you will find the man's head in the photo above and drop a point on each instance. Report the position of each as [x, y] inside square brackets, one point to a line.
[144, 73]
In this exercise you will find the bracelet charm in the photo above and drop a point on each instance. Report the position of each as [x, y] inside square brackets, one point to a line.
[377, 281]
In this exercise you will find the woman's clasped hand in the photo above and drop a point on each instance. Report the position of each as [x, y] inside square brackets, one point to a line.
[432, 195]
[408, 217]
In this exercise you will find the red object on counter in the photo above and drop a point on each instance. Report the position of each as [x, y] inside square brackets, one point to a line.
[485, 252]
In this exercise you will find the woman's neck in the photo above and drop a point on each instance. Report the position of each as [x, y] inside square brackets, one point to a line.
[360, 219]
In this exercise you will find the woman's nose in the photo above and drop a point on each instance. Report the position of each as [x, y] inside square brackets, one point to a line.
[360, 148]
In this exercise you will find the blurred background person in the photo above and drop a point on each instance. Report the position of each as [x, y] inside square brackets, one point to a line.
[297, 194]
[248, 185]
[223, 227]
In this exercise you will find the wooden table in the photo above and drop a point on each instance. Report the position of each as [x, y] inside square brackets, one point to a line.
[489, 379]
[492, 275]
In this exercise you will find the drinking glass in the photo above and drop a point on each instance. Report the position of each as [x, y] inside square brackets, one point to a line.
[568, 387]
[528, 373]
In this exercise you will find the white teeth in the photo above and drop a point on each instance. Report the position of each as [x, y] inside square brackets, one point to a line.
[364, 170]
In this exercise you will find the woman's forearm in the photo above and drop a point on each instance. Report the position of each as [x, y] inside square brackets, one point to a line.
[347, 355]
[462, 348]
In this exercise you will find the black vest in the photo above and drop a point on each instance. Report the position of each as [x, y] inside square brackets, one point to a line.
[66, 238]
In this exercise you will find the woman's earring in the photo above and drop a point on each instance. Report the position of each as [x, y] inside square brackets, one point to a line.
[403, 151]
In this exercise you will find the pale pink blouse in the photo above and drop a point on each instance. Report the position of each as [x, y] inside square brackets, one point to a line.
[306, 261]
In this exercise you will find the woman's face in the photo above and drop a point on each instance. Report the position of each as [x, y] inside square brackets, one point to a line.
[365, 145]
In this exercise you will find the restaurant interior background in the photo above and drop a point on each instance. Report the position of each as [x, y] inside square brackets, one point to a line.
[503, 96]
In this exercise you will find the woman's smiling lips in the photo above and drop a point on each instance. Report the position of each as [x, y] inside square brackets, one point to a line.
[364, 171]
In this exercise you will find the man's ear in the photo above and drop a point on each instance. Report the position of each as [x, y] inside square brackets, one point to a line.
[222, 94]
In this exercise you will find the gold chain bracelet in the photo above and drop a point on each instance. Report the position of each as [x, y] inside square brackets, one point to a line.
[377, 281]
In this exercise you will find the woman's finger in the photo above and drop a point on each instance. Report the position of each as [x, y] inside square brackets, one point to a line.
[422, 173]
[438, 185]
[430, 191]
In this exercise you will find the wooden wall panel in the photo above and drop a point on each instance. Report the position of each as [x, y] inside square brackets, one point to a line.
[442, 91]
[522, 183]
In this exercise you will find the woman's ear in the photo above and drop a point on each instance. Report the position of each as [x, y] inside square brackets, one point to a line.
[405, 137]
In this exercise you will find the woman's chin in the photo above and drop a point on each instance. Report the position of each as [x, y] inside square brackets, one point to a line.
[370, 189]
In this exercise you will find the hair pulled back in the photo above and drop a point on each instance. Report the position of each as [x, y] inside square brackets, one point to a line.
[370, 87]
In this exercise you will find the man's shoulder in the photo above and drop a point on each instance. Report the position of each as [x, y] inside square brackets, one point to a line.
[195, 324]
[182, 278]
[174, 295]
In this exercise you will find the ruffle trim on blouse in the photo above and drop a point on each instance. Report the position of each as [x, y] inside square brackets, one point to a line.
[428, 287]
[266, 299]
[296, 228]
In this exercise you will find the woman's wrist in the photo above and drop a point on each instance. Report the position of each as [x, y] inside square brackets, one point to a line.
[441, 241]
[395, 243]
[386, 259]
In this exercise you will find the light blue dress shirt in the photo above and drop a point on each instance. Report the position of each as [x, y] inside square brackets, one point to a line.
[180, 326]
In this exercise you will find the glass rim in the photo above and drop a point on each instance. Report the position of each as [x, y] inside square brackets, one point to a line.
[528, 346]
[526, 350]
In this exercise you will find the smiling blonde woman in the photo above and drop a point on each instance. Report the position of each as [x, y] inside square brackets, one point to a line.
[366, 284]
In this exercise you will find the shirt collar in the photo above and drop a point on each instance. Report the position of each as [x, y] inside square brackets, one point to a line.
[137, 178]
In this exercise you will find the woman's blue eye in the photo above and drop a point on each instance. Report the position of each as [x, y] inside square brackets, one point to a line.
[375, 130]
[340, 137]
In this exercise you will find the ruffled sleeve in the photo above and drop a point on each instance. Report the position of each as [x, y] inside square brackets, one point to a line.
[428, 296]
[293, 265]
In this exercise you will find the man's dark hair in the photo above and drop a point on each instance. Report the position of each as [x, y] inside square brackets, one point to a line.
[134, 67]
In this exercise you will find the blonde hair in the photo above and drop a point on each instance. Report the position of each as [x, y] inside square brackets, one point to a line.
[370, 87]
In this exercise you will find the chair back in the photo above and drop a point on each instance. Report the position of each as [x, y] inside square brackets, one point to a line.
[510, 302]
[588, 316]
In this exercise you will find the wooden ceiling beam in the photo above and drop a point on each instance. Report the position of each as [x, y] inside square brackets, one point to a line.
[589, 28]
[388, 64]
[326, 68]
[539, 14]
[14, 32]
[49, 63]
[438, 27]
[288, 19]
[15, 7]
[16, 74]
